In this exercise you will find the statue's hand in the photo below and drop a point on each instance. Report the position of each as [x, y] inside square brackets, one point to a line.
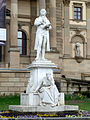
[43, 26]
[48, 26]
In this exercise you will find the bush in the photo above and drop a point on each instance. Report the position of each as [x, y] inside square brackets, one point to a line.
[75, 96]
[68, 97]
[87, 94]
[78, 96]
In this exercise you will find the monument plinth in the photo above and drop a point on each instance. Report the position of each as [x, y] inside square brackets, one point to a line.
[42, 94]
[31, 101]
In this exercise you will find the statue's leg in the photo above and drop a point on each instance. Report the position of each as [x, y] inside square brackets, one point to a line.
[43, 47]
[39, 48]
[38, 54]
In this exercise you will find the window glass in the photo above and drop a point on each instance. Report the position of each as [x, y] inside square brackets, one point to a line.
[75, 9]
[75, 17]
[79, 9]
[19, 34]
[19, 42]
[77, 13]
[22, 42]
[79, 17]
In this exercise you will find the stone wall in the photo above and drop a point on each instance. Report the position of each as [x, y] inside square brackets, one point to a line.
[13, 81]
[73, 69]
[70, 86]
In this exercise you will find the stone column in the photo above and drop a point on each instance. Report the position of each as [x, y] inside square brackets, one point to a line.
[42, 4]
[8, 44]
[88, 29]
[67, 49]
[53, 23]
[14, 51]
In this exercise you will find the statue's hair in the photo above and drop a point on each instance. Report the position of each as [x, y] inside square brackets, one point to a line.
[43, 10]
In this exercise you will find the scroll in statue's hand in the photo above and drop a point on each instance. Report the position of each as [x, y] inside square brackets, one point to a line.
[47, 26]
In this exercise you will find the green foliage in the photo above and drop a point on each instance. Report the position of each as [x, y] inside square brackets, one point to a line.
[83, 104]
[78, 99]
[74, 99]
[84, 93]
[68, 97]
[5, 101]
[87, 94]
[76, 96]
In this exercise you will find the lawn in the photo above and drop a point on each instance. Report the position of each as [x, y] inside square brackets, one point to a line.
[5, 101]
[83, 104]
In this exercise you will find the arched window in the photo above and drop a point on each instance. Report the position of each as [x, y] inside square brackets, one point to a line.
[22, 42]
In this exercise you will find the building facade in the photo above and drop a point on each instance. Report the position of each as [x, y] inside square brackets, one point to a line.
[69, 38]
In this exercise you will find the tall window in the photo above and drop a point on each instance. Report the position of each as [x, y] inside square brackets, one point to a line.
[22, 42]
[77, 13]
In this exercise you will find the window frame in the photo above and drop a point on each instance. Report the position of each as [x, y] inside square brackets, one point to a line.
[78, 5]
[77, 13]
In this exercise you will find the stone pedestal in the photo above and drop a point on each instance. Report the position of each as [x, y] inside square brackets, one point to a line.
[31, 100]
[42, 109]
[38, 70]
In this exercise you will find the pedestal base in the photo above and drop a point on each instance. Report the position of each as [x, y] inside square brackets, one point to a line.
[33, 99]
[42, 109]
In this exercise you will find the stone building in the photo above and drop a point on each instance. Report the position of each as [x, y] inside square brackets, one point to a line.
[69, 41]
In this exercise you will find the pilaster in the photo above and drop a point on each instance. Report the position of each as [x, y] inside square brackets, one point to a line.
[42, 4]
[14, 51]
[53, 23]
[67, 47]
[88, 29]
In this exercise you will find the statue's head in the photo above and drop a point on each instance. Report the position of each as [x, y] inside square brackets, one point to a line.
[48, 75]
[43, 12]
[77, 44]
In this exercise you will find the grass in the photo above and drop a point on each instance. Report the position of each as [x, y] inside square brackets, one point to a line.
[83, 104]
[5, 101]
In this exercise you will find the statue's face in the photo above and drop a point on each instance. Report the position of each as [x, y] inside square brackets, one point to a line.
[48, 76]
[78, 44]
[43, 12]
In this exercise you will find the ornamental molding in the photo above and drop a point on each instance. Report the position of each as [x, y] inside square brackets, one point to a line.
[88, 4]
[66, 2]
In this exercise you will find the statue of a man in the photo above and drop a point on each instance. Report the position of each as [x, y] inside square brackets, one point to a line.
[78, 51]
[42, 35]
